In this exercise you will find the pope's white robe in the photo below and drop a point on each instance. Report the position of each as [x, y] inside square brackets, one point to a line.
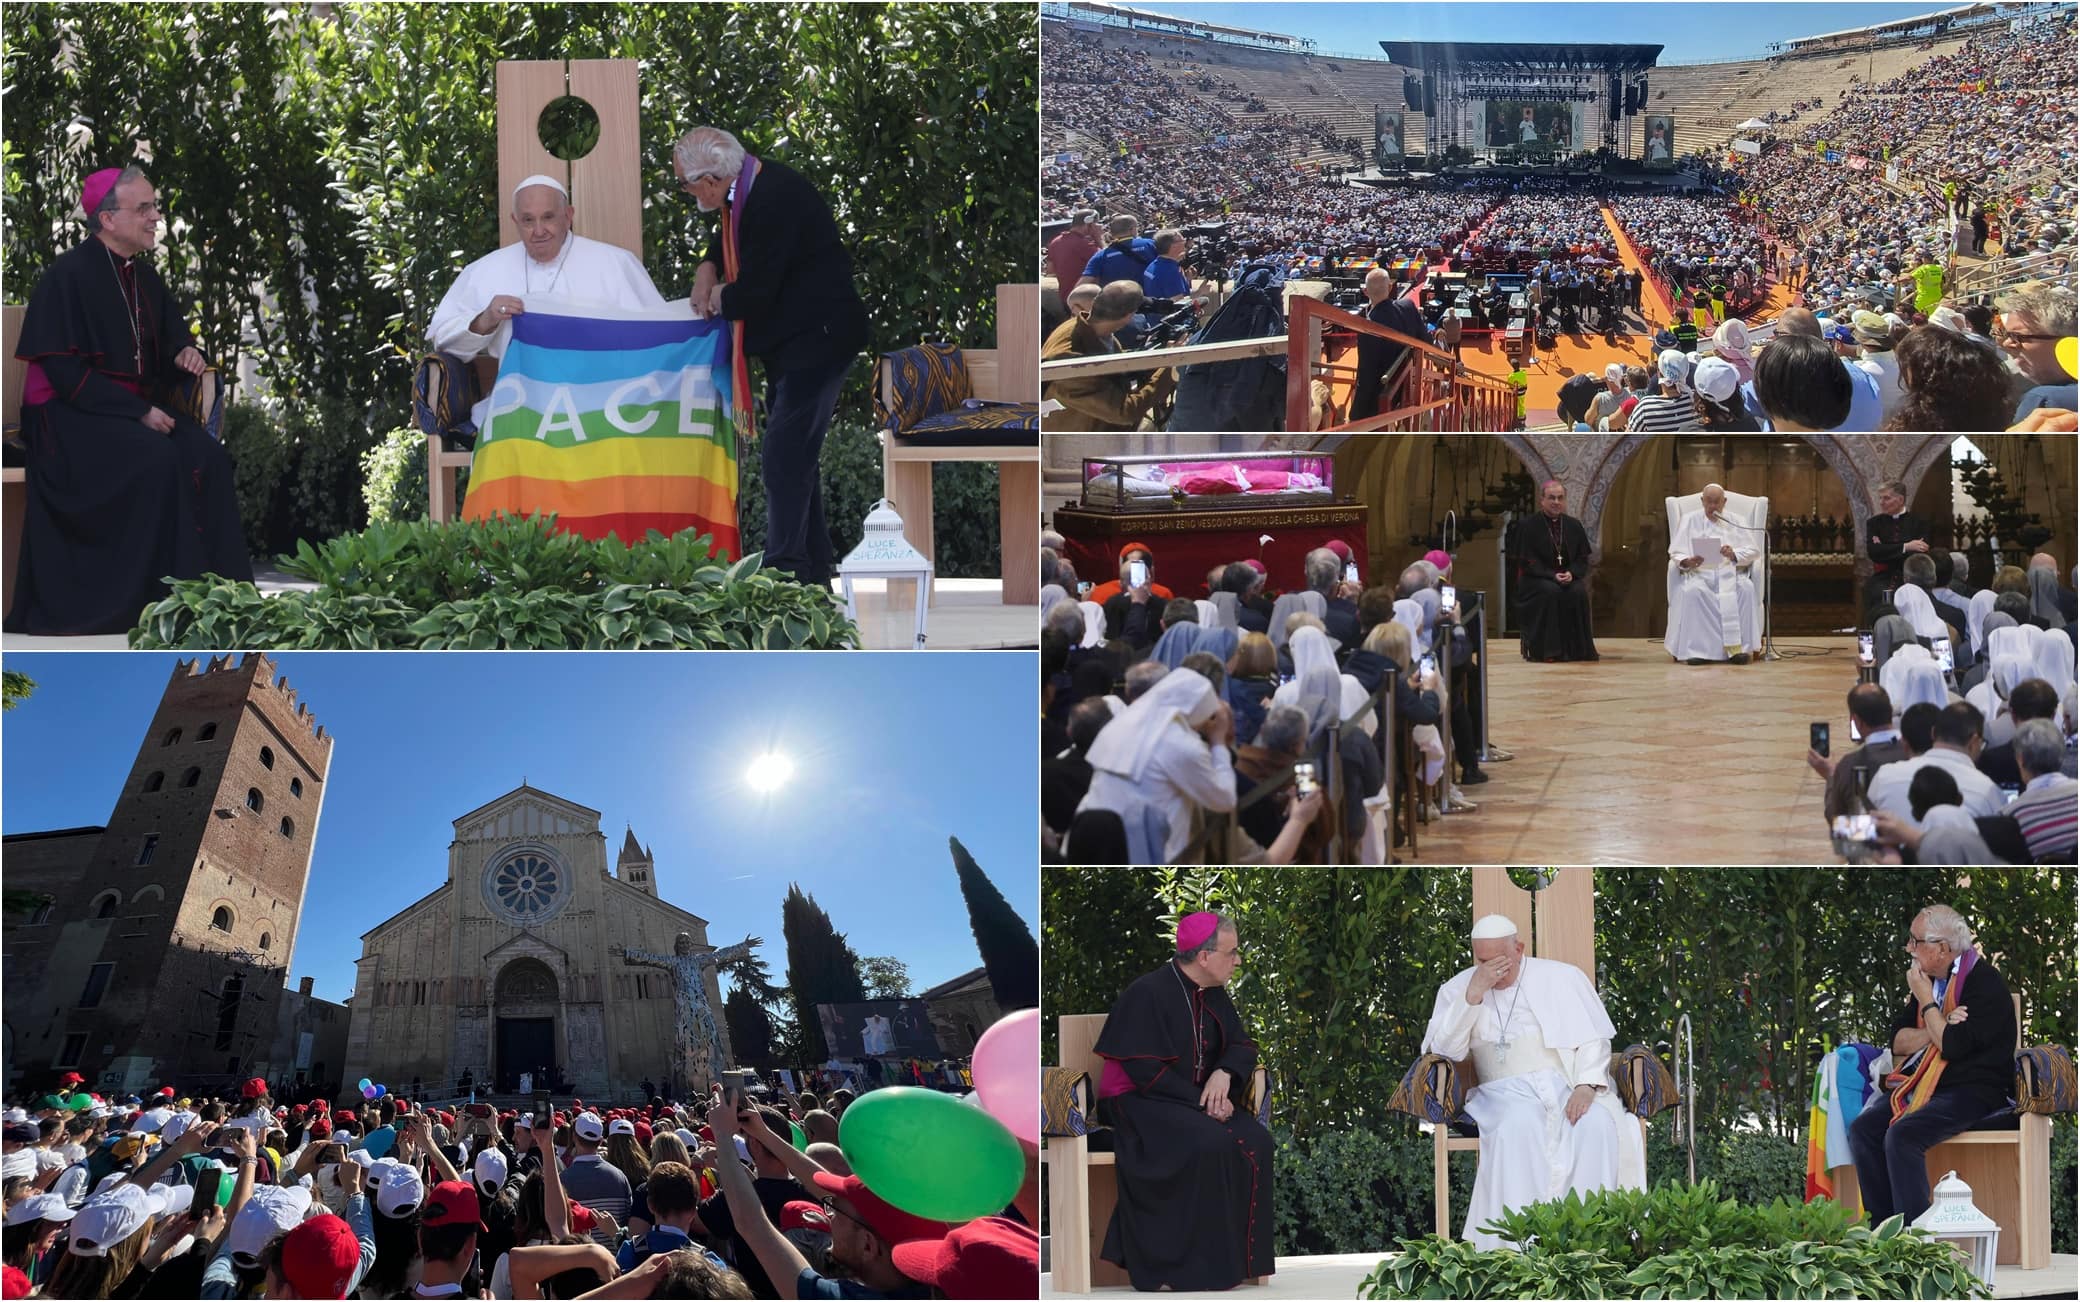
[587, 271]
[1531, 1045]
[1711, 615]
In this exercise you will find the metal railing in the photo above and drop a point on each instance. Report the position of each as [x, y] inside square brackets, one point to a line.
[1432, 392]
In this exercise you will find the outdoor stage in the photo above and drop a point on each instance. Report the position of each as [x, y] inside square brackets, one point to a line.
[1340, 1277]
[1635, 759]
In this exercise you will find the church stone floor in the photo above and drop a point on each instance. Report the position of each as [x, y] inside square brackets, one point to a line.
[1636, 759]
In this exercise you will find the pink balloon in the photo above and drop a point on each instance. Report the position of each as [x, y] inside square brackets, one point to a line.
[1007, 1072]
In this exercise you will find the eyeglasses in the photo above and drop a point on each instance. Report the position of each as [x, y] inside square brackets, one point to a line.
[1913, 940]
[2010, 337]
[831, 1205]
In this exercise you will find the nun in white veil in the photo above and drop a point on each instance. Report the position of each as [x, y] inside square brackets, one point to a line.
[2052, 653]
[1913, 604]
[1314, 603]
[1093, 623]
[1912, 677]
[1319, 690]
[1976, 611]
[1990, 697]
[1152, 767]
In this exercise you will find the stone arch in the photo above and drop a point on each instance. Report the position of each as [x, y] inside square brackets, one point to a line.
[152, 892]
[526, 981]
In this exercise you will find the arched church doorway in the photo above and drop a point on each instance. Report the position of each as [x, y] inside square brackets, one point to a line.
[527, 1011]
[1422, 489]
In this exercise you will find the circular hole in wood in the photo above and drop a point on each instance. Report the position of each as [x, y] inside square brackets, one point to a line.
[569, 127]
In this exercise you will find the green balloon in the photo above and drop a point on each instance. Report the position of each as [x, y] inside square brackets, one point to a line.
[931, 1154]
[801, 1141]
[79, 1102]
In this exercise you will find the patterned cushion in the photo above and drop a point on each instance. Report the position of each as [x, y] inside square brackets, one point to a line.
[1431, 1090]
[1065, 1102]
[996, 425]
[1644, 1085]
[921, 382]
[2044, 1079]
[443, 391]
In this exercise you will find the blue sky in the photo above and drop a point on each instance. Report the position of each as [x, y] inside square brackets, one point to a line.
[893, 754]
[1690, 31]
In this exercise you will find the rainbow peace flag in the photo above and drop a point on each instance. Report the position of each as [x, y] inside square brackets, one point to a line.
[616, 421]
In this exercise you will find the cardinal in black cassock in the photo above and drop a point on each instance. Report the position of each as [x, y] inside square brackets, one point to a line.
[1552, 555]
[1194, 1165]
[122, 489]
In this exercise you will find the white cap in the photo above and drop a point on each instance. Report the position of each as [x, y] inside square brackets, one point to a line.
[399, 1190]
[179, 1198]
[743, 1149]
[151, 1122]
[177, 1125]
[1494, 927]
[39, 1207]
[490, 1170]
[1716, 379]
[587, 1127]
[110, 1217]
[1674, 366]
[269, 1209]
[688, 1138]
[362, 1158]
[16, 1114]
[540, 179]
[621, 1126]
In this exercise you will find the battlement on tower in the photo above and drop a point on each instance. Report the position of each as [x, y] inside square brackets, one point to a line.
[255, 668]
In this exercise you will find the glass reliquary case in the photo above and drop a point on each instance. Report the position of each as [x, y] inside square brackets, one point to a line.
[1208, 481]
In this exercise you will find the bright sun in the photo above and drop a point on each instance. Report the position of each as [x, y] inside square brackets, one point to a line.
[768, 772]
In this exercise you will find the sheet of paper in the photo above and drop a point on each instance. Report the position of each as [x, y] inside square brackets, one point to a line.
[1708, 548]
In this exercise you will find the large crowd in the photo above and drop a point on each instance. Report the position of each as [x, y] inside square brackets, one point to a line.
[745, 1193]
[1216, 729]
[1974, 763]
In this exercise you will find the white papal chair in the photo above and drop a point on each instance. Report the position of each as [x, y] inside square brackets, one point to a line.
[1749, 513]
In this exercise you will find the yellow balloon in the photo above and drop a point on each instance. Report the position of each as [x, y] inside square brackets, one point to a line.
[2069, 355]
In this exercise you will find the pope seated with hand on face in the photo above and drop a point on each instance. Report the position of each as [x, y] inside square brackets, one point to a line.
[1540, 1041]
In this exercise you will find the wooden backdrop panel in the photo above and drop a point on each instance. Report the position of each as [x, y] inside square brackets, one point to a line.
[525, 87]
[606, 184]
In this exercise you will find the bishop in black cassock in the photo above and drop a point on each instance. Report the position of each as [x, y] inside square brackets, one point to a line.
[1552, 558]
[122, 490]
[1194, 1165]
[1892, 527]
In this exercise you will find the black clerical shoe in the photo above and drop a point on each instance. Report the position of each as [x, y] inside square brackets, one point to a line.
[1699, 660]
[1472, 778]
[1740, 659]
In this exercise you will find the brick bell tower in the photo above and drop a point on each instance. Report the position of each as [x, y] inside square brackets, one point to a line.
[183, 923]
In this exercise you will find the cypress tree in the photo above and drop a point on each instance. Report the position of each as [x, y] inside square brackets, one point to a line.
[750, 1030]
[1001, 936]
[821, 968]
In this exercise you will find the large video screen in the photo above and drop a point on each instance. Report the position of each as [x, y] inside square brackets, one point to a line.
[1660, 147]
[878, 1028]
[1533, 124]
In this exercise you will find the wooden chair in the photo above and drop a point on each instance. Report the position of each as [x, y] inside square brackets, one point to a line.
[1082, 1186]
[1567, 934]
[605, 187]
[2010, 1175]
[1010, 372]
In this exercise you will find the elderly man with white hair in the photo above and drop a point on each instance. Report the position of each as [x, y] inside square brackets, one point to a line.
[1953, 1045]
[548, 261]
[778, 273]
[1540, 1040]
[1711, 617]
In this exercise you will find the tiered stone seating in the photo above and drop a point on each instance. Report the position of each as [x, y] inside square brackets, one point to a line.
[1710, 100]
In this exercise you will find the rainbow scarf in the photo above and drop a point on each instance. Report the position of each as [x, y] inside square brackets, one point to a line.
[614, 421]
[1917, 1084]
[732, 263]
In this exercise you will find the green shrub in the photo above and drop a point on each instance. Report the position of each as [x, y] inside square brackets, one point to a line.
[501, 583]
[2062, 1183]
[1350, 1191]
[1678, 1241]
[259, 461]
[393, 477]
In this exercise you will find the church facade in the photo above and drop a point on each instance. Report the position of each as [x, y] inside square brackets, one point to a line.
[514, 964]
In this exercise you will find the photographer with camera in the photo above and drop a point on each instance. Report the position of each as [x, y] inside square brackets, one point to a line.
[1111, 401]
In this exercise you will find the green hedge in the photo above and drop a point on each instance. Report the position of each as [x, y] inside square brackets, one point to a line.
[483, 585]
[1680, 1242]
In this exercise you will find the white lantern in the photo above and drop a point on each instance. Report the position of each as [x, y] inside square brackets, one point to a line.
[884, 553]
[1953, 1218]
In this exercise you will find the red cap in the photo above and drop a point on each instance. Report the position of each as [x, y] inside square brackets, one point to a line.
[893, 1224]
[643, 1133]
[1126, 547]
[166, 1093]
[801, 1213]
[13, 1283]
[319, 1257]
[252, 1089]
[452, 1202]
[987, 1258]
[322, 1106]
[320, 1130]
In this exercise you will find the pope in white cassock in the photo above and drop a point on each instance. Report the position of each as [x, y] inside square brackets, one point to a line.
[1711, 613]
[550, 261]
[1540, 1040]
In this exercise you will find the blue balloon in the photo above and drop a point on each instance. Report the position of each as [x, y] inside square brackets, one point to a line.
[381, 1091]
